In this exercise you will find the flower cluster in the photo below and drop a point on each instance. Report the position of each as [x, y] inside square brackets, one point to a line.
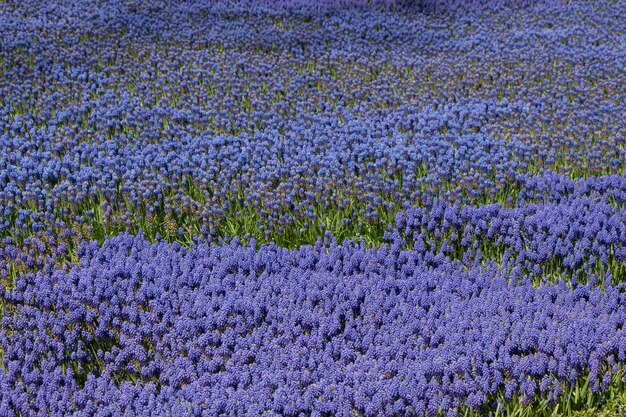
[175, 110]
[558, 228]
[141, 329]
[554, 229]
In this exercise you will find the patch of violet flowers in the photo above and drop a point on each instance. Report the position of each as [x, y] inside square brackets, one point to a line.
[125, 108]
[325, 330]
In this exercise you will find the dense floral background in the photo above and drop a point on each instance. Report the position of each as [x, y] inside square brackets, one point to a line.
[325, 208]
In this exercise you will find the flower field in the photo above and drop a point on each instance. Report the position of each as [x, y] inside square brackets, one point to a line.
[329, 208]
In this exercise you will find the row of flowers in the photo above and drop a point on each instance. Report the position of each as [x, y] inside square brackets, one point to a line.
[177, 108]
[152, 329]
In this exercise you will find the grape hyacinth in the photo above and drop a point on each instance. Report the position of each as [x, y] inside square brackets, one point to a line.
[312, 208]
[176, 115]
[227, 329]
